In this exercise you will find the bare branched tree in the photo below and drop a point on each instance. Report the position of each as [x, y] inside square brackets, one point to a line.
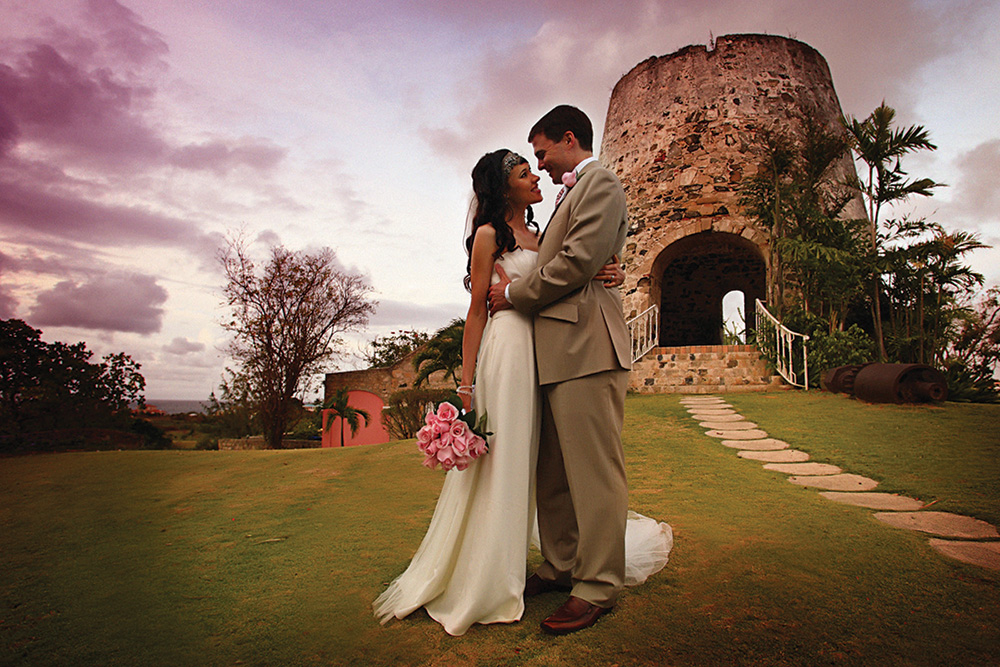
[286, 319]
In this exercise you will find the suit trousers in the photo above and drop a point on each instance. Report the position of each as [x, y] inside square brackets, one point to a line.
[582, 492]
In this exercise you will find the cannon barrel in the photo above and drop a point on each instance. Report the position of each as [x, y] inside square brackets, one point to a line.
[900, 383]
[840, 379]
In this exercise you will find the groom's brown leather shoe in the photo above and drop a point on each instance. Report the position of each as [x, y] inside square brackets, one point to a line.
[535, 585]
[575, 614]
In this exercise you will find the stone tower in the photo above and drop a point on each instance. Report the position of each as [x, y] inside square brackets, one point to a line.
[682, 135]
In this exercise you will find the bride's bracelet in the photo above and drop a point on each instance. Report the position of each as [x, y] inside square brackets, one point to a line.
[466, 389]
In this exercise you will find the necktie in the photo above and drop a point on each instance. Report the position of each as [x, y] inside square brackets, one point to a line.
[560, 195]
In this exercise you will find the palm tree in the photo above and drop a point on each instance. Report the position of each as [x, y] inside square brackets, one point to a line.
[878, 144]
[337, 404]
[443, 352]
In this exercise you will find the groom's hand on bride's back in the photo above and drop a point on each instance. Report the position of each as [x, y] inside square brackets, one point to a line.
[496, 299]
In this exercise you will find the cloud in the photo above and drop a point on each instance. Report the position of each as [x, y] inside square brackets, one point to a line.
[222, 156]
[976, 193]
[181, 346]
[404, 315]
[113, 302]
[65, 110]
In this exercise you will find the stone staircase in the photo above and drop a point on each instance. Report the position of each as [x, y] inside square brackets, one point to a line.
[702, 369]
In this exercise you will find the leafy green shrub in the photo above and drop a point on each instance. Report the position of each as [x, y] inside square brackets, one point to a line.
[828, 349]
[404, 413]
[153, 437]
[971, 384]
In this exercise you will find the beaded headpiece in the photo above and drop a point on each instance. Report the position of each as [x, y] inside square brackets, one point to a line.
[511, 160]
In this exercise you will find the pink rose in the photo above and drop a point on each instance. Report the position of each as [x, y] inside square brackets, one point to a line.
[446, 457]
[462, 464]
[447, 412]
[459, 439]
[424, 436]
[430, 461]
[569, 179]
[478, 446]
[430, 419]
[441, 427]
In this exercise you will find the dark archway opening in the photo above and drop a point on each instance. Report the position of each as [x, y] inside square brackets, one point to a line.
[696, 273]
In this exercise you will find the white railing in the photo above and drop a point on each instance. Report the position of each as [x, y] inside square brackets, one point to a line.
[645, 331]
[777, 340]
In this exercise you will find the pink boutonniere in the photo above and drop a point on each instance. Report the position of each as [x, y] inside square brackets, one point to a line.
[569, 179]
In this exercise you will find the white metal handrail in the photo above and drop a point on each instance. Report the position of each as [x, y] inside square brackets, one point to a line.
[773, 335]
[644, 329]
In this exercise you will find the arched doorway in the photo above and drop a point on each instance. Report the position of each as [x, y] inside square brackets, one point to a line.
[694, 275]
[734, 318]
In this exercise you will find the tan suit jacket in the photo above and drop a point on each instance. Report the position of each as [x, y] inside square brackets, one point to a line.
[579, 326]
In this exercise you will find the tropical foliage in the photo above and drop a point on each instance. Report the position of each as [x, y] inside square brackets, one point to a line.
[337, 405]
[871, 286]
[443, 352]
[388, 350]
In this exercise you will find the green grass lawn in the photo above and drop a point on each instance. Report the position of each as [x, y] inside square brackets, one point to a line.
[273, 558]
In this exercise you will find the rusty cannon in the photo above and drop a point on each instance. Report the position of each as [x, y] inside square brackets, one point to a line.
[888, 383]
[840, 380]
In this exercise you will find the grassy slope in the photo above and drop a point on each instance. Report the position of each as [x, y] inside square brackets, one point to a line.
[267, 558]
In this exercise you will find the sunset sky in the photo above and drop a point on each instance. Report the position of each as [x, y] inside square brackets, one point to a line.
[136, 134]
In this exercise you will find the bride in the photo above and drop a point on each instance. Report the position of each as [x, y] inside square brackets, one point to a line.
[471, 565]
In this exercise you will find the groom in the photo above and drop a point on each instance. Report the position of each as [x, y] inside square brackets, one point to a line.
[582, 349]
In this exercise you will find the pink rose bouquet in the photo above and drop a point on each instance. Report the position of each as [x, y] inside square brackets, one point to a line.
[451, 438]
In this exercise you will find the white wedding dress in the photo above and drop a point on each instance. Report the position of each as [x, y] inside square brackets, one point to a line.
[471, 565]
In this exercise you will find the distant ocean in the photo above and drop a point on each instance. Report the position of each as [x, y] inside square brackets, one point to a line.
[174, 406]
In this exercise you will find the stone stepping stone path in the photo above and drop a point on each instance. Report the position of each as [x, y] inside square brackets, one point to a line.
[984, 554]
[737, 434]
[875, 500]
[729, 417]
[944, 524]
[720, 420]
[762, 445]
[773, 456]
[728, 426]
[842, 482]
[804, 468]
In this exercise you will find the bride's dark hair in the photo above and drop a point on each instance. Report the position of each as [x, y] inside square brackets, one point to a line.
[489, 185]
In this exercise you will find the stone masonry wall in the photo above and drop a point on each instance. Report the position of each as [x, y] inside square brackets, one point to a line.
[383, 382]
[702, 370]
[682, 135]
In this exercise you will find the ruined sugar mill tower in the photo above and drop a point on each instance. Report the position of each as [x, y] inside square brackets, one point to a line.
[682, 133]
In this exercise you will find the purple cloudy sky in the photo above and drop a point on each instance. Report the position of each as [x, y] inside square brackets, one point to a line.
[136, 134]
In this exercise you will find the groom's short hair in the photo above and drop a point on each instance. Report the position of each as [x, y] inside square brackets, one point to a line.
[561, 120]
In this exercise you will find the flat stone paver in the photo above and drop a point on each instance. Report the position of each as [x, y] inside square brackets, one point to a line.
[983, 554]
[713, 405]
[842, 482]
[722, 412]
[752, 434]
[805, 468]
[875, 500]
[728, 426]
[773, 456]
[701, 416]
[944, 524]
[762, 445]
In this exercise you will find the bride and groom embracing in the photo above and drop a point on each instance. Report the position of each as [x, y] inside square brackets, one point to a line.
[548, 347]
